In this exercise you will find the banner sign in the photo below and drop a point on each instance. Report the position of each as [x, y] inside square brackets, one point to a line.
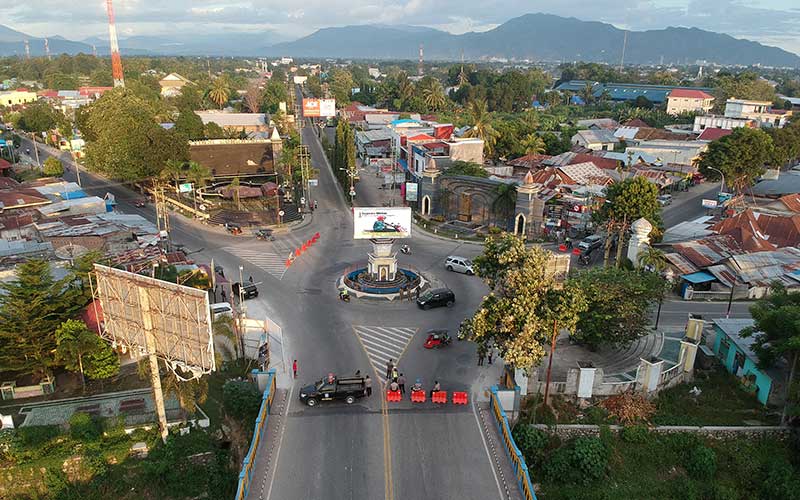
[381, 222]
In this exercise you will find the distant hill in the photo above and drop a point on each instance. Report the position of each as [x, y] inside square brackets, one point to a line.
[538, 37]
[12, 43]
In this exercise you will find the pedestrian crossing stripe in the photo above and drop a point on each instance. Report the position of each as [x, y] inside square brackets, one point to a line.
[270, 262]
[382, 343]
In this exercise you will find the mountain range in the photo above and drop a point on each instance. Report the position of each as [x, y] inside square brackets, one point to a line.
[536, 37]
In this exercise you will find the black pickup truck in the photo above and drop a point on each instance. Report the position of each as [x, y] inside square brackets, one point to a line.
[347, 389]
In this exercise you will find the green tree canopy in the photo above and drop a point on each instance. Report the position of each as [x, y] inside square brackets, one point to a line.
[82, 350]
[618, 303]
[32, 307]
[524, 302]
[630, 200]
[125, 142]
[40, 117]
[190, 125]
[467, 168]
[740, 156]
[274, 93]
[53, 167]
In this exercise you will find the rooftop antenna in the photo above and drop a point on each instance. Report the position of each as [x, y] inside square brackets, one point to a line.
[624, 45]
[47, 49]
[116, 60]
[419, 68]
[27, 50]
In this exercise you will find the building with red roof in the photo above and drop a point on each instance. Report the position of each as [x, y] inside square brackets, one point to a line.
[689, 101]
[713, 133]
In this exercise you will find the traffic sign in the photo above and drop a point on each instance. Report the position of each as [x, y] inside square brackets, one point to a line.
[352, 192]
[313, 182]
[281, 213]
[303, 200]
[185, 188]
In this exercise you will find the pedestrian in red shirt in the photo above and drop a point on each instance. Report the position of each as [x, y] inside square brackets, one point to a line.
[294, 368]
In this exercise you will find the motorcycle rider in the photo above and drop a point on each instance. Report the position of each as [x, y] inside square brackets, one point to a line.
[344, 295]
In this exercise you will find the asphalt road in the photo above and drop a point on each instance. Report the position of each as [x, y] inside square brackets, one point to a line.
[688, 205]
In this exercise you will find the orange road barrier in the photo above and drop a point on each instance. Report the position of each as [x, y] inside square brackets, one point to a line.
[417, 396]
[439, 397]
[576, 251]
[288, 262]
[459, 398]
[562, 248]
[393, 396]
[297, 252]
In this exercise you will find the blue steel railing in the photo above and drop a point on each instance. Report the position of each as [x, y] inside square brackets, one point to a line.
[517, 460]
[246, 474]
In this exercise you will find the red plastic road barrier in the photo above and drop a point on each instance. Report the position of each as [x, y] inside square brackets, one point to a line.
[288, 262]
[393, 396]
[439, 397]
[304, 247]
[576, 251]
[310, 242]
[459, 398]
[297, 252]
[562, 248]
[417, 396]
[316, 236]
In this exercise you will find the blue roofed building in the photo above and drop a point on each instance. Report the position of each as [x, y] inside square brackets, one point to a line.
[623, 92]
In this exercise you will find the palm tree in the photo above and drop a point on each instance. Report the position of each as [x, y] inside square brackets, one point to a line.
[189, 392]
[463, 79]
[505, 201]
[533, 144]
[220, 91]
[173, 171]
[433, 94]
[198, 174]
[587, 93]
[222, 326]
[652, 258]
[482, 128]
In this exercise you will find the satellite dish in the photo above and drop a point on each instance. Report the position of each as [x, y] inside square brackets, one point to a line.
[70, 252]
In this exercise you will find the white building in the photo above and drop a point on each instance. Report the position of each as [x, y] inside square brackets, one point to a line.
[688, 101]
[596, 140]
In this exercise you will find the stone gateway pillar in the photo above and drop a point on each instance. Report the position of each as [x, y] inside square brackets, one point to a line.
[640, 239]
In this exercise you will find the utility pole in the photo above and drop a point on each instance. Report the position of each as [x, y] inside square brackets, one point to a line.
[305, 172]
[36, 150]
[162, 214]
[624, 46]
[550, 362]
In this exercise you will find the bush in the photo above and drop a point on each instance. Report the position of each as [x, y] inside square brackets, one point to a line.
[241, 399]
[531, 442]
[582, 462]
[37, 435]
[53, 167]
[635, 434]
[82, 427]
[779, 481]
[701, 462]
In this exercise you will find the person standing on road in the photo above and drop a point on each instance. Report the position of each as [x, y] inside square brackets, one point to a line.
[394, 387]
[436, 388]
[491, 353]
[401, 381]
[389, 368]
[395, 374]
[481, 354]
[294, 368]
[368, 385]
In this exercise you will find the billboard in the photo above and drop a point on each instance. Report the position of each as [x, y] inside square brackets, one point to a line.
[319, 108]
[709, 203]
[177, 316]
[381, 222]
[411, 191]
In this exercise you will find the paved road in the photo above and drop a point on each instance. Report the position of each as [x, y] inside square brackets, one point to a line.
[688, 205]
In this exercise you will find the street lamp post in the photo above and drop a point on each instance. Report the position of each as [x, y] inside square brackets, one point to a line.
[722, 183]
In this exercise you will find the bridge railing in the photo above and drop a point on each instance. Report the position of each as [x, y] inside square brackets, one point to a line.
[246, 474]
[517, 460]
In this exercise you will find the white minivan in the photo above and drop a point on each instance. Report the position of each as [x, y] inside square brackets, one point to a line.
[459, 265]
[221, 309]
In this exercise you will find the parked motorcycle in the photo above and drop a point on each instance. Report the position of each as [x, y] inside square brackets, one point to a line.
[405, 249]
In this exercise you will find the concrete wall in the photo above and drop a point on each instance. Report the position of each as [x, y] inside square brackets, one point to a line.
[763, 381]
[713, 432]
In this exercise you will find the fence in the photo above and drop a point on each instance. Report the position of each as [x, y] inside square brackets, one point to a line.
[246, 475]
[517, 460]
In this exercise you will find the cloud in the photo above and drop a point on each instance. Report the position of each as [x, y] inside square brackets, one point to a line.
[772, 21]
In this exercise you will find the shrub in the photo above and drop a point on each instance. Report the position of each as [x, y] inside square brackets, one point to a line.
[82, 427]
[779, 481]
[635, 434]
[53, 167]
[531, 442]
[701, 462]
[582, 462]
[37, 435]
[241, 399]
[629, 408]
[596, 415]
[558, 468]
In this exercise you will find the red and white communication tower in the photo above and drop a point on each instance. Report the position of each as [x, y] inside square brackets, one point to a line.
[116, 60]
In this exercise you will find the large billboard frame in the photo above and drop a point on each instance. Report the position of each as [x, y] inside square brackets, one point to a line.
[178, 318]
[381, 222]
[319, 108]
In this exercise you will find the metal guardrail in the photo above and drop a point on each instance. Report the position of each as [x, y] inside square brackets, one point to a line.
[517, 460]
[246, 474]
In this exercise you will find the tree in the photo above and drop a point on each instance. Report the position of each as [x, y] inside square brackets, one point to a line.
[124, 140]
[40, 117]
[214, 131]
[190, 125]
[523, 304]
[504, 203]
[534, 144]
[745, 85]
[253, 97]
[740, 156]
[482, 128]
[631, 200]
[198, 174]
[618, 305]
[433, 94]
[53, 167]
[652, 258]
[274, 93]
[776, 335]
[187, 390]
[220, 91]
[643, 102]
[32, 307]
[80, 349]
[341, 85]
[466, 168]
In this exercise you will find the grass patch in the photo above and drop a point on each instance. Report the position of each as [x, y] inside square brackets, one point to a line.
[721, 402]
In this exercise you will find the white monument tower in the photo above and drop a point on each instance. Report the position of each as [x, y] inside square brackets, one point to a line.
[640, 239]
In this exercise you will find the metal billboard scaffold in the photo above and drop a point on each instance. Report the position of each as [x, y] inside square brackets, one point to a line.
[160, 320]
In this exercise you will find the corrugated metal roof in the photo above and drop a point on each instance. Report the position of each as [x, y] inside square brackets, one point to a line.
[680, 263]
[699, 277]
[708, 251]
[732, 328]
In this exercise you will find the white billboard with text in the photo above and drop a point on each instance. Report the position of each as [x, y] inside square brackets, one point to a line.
[381, 222]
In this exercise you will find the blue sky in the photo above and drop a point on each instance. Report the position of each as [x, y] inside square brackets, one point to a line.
[774, 22]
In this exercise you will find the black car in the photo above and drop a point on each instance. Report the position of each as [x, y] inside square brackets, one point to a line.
[436, 297]
[249, 291]
[264, 234]
[346, 389]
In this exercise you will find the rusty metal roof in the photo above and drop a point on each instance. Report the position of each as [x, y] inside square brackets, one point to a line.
[708, 251]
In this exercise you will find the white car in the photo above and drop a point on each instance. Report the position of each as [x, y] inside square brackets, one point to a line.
[459, 265]
[221, 309]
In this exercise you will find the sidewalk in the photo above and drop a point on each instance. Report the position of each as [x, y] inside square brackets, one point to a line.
[267, 447]
[500, 460]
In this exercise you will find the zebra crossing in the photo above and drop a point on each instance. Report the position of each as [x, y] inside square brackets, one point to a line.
[270, 262]
[383, 343]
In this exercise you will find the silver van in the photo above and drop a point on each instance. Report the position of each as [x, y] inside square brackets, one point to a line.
[459, 265]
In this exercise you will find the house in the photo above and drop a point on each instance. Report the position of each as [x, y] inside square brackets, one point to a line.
[702, 122]
[595, 139]
[689, 101]
[13, 98]
[235, 122]
[666, 151]
[712, 134]
[625, 92]
[760, 111]
[736, 354]
[598, 124]
[172, 84]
